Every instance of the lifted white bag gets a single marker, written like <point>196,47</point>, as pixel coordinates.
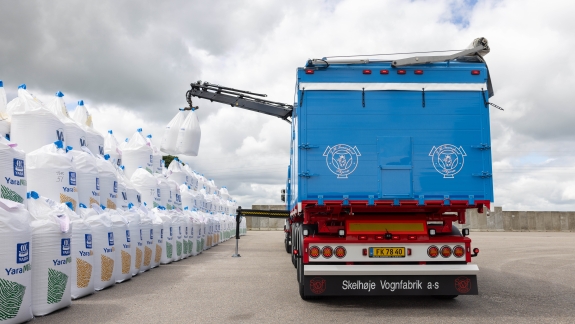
<point>15,258</point>
<point>189,135</point>
<point>170,138</point>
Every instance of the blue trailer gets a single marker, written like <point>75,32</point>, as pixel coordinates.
<point>385,157</point>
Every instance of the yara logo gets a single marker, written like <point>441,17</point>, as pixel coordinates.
<point>23,252</point>
<point>65,247</point>
<point>110,238</point>
<point>128,236</point>
<point>151,234</point>
<point>60,134</point>
<point>115,186</point>
<point>88,239</point>
<point>97,183</point>
<point>19,168</point>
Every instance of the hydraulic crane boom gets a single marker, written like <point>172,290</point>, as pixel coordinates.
<point>239,98</point>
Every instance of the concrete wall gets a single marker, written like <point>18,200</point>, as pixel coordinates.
<point>265,223</point>
<point>495,221</point>
<point>520,221</point>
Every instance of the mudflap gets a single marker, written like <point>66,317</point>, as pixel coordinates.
<point>434,285</point>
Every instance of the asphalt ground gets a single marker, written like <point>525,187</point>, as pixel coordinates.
<point>524,278</point>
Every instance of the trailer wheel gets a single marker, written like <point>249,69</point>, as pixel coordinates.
<point>287,243</point>
<point>300,279</point>
<point>293,245</point>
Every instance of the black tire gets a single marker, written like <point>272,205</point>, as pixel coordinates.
<point>300,279</point>
<point>294,245</point>
<point>287,244</point>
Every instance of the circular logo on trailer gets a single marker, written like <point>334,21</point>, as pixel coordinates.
<point>447,159</point>
<point>463,285</point>
<point>317,285</point>
<point>341,159</point>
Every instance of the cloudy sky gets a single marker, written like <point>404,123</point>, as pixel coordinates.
<point>132,61</point>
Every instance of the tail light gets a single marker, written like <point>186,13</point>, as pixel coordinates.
<point>384,72</point>
<point>340,252</point>
<point>309,71</point>
<point>418,71</point>
<point>445,251</point>
<point>314,252</point>
<point>458,251</point>
<point>433,251</point>
<point>395,237</point>
<point>327,252</point>
<point>379,237</point>
<point>475,72</point>
<point>401,72</point>
<point>366,71</point>
<point>364,251</point>
<point>362,237</point>
<point>412,237</point>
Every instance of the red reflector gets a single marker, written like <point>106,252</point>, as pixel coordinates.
<point>476,250</point>
<point>418,71</point>
<point>309,71</point>
<point>400,71</point>
<point>458,251</point>
<point>362,237</point>
<point>327,252</point>
<point>445,251</point>
<point>384,72</point>
<point>433,251</point>
<point>295,252</point>
<point>366,71</point>
<point>408,251</point>
<point>340,252</point>
<point>412,237</point>
<point>395,237</point>
<point>364,251</point>
<point>379,237</point>
<point>475,72</point>
<point>314,252</point>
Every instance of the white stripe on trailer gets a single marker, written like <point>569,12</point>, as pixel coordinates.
<point>311,86</point>
<point>390,270</point>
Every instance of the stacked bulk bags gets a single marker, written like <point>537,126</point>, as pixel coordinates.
<point>137,153</point>
<point>51,255</point>
<point>51,172</point>
<point>186,197</point>
<point>108,182</point>
<point>111,147</point>
<point>94,140</point>
<point>134,237</point>
<point>103,246</point>
<point>164,192</point>
<point>147,238</point>
<point>4,117</point>
<point>15,258</point>
<point>33,126</point>
<point>122,245</point>
<point>177,221</point>
<point>147,186</point>
<point>82,256</point>
<point>12,172</point>
<point>187,241</point>
<point>176,172</point>
<point>158,240</point>
<point>170,138</point>
<point>189,135</point>
<point>74,134</point>
<point>177,194</point>
<point>156,156</point>
<point>87,177</point>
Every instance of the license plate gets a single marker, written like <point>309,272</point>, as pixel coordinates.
<point>387,252</point>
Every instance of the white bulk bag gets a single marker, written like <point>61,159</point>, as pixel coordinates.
<point>111,148</point>
<point>166,234</point>
<point>170,138</point>
<point>224,193</point>
<point>87,177</point>
<point>33,126</point>
<point>74,133</point>
<point>16,261</point>
<point>177,222</point>
<point>177,195</point>
<point>186,197</point>
<point>164,192</point>
<point>187,240</point>
<point>108,182</point>
<point>103,242</point>
<point>137,153</point>
<point>134,227</point>
<point>94,140</point>
<point>82,256</point>
<point>157,226</point>
<point>12,172</point>
<point>51,255</point>
<point>127,193</point>
<point>51,173</point>
<point>4,117</point>
<point>189,135</point>
<point>157,156</point>
<point>176,172</point>
<point>122,245</point>
<point>147,186</point>
<point>147,237</point>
